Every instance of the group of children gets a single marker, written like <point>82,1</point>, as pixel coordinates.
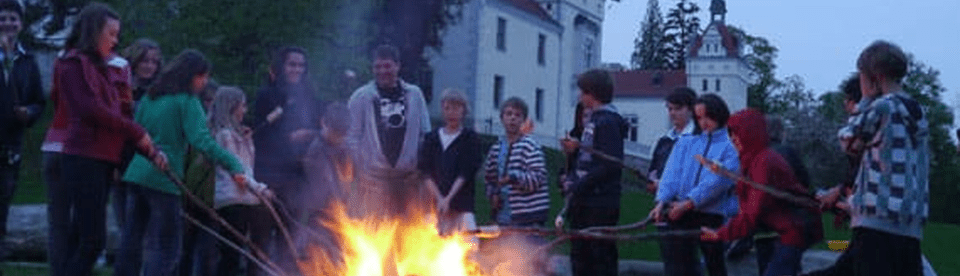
<point>378,155</point>
<point>887,191</point>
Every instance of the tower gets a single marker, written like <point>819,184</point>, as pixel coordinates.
<point>715,63</point>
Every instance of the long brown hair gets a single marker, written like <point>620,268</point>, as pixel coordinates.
<point>86,30</point>
<point>177,77</point>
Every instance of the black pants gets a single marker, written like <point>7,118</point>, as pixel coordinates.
<point>254,220</point>
<point>679,254</point>
<point>8,185</point>
<point>593,257</point>
<point>77,214</point>
<point>873,252</point>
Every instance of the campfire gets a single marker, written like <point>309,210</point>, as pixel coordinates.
<point>377,245</point>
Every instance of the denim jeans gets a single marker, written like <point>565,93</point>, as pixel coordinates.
<point>153,234</point>
<point>77,212</point>
<point>784,261</point>
<point>199,256</point>
<point>679,254</point>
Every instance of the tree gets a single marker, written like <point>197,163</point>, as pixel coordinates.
<point>681,26</point>
<point>793,95</point>
<point>759,55</point>
<point>412,26</point>
<point>650,51</point>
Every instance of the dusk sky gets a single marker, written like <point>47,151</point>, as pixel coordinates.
<point>819,40</point>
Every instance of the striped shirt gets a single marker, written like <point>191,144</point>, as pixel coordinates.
<point>529,200</point>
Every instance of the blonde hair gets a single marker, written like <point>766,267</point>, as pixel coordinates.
<point>456,96</point>
<point>226,100</point>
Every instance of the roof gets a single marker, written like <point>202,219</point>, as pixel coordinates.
<point>647,83</point>
<point>531,7</point>
<point>727,38</point>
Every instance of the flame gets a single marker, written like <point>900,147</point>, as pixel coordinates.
<point>377,245</point>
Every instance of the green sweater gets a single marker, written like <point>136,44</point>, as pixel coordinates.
<point>173,121</point>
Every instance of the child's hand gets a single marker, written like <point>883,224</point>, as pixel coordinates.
<point>241,181</point>
<point>274,115</point>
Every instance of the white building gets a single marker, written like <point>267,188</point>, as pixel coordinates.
<point>714,64</point>
<point>532,49</point>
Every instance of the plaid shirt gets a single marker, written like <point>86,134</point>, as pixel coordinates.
<point>891,189</point>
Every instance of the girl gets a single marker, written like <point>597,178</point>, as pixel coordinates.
<point>87,135</point>
<point>172,112</point>
<point>145,60</point>
<point>798,227</point>
<point>236,201</point>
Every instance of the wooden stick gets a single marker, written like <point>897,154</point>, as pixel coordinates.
<point>777,193</point>
<point>213,214</point>
<point>230,244</point>
<point>280,224</point>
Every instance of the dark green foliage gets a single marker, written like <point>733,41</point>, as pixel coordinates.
<point>759,55</point>
<point>681,25</point>
<point>650,46</point>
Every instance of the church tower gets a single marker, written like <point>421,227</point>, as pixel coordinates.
<point>715,63</point>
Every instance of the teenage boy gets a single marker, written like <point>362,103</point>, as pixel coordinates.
<point>890,199</point>
<point>595,185</point>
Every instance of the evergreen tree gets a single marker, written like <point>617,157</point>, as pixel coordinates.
<point>681,27</point>
<point>650,51</point>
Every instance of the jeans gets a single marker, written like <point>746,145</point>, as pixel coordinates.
<point>8,185</point>
<point>679,254</point>
<point>77,212</point>
<point>784,261</point>
<point>153,234</point>
<point>254,220</point>
<point>199,256</point>
<point>593,257</point>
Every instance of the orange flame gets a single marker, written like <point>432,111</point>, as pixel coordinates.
<point>377,245</point>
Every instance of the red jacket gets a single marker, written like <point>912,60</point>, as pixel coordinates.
<point>797,226</point>
<point>90,109</point>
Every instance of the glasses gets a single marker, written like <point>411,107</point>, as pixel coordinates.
<point>9,18</point>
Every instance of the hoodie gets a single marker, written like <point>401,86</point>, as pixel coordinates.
<point>798,226</point>
<point>596,182</point>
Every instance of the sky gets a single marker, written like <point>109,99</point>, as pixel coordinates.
<point>819,40</point>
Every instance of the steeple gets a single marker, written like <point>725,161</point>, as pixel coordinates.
<point>718,10</point>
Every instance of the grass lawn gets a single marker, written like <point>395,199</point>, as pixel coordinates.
<point>941,242</point>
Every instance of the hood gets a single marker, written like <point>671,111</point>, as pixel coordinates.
<point>750,128</point>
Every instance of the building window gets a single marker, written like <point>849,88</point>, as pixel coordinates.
<point>717,84</point>
<point>497,90</point>
<point>704,85</point>
<point>501,34</point>
<point>538,107</point>
<point>541,50</point>
<point>634,122</point>
<point>588,53</point>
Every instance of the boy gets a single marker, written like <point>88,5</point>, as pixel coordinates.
<point>889,203</point>
<point>515,172</point>
<point>595,185</point>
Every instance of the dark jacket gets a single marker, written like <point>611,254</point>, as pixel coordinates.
<point>96,126</point>
<point>461,159</point>
<point>21,89</point>
<point>796,163</point>
<point>798,226</point>
<point>279,160</point>
<point>596,182</point>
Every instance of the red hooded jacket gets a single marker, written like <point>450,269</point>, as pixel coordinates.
<point>798,226</point>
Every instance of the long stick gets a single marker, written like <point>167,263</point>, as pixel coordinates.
<point>726,173</point>
<point>213,214</point>
<point>229,243</point>
<point>280,224</point>
<point>619,161</point>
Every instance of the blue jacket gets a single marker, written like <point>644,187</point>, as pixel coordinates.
<point>685,178</point>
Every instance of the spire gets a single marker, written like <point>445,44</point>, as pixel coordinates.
<point>718,10</point>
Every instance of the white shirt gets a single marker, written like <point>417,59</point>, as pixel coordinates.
<point>447,138</point>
